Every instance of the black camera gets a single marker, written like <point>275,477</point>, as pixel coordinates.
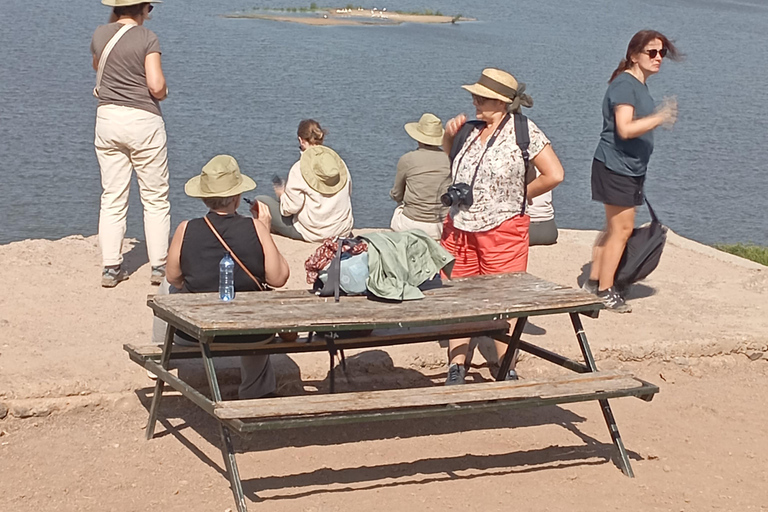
<point>459,194</point>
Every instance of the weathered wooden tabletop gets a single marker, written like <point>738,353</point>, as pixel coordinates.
<point>470,299</point>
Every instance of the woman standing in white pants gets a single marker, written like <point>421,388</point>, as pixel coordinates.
<point>130,135</point>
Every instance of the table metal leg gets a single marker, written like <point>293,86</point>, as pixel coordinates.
<point>513,346</point>
<point>227,448</point>
<point>170,331</point>
<point>589,359</point>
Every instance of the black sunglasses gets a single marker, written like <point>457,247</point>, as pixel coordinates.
<point>652,53</point>
<point>152,7</point>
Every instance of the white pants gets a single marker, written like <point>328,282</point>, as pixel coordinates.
<point>402,223</point>
<point>130,139</point>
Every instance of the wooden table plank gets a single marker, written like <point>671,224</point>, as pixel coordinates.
<point>423,397</point>
<point>457,301</point>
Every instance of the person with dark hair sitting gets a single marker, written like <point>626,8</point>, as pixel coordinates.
<point>199,245</point>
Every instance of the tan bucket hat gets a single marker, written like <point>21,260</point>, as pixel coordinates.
<point>429,130</point>
<point>220,178</point>
<point>323,170</point>
<point>127,3</point>
<point>500,85</point>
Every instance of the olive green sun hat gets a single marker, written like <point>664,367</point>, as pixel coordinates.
<point>128,3</point>
<point>323,170</point>
<point>429,130</point>
<point>220,177</point>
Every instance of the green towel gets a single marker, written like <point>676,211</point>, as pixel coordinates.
<point>399,262</point>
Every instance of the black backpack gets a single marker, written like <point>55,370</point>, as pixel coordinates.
<point>522,139</point>
<point>643,251</point>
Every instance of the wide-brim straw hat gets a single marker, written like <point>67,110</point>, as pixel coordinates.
<point>127,3</point>
<point>495,84</point>
<point>429,130</point>
<point>323,170</point>
<point>220,177</point>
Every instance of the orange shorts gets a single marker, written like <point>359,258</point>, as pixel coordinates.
<point>496,251</point>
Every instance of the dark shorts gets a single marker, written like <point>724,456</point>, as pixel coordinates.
<point>615,189</point>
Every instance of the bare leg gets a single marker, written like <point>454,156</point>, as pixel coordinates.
<point>620,220</point>
<point>457,350</point>
<point>597,256</point>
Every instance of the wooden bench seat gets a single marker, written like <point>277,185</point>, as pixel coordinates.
<point>378,338</point>
<point>299,411</point>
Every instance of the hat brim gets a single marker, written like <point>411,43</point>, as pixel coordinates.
<point>484,92</point>
<point>112,3</point>
<point>305,166</point>
<point>412,129</point>
<point>192,188</point>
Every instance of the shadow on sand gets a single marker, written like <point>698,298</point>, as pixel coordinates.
<point>375,370</point>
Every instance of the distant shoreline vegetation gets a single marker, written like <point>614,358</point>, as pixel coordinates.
<point>347,15</point>
<point>756,253</point>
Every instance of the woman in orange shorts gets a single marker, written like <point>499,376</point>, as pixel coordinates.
<point>487,228</point>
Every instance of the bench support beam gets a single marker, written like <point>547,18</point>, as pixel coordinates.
<point>589,359</point>
<point>170,331</point>
<point>227,447</point>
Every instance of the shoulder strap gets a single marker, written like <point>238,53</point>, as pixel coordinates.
<point>234,256</point>
<point>523,141</point>
<point>105,53</point>
<point>461,137</point>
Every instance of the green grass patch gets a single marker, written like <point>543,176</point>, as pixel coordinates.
<point>755,253</point>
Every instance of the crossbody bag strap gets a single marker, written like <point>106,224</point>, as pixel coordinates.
<point>105,54</point>
<point>523,141</point>
<point>654,218</point>
<point>231,253</point>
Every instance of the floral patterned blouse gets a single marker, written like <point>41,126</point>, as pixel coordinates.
<point>499,187</point>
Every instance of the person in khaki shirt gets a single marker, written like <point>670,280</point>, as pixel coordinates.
<point>422,177</point>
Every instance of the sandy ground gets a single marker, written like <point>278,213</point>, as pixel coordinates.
<point>366,17</point>
<point>72,436</point>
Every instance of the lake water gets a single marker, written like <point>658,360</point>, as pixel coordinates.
<point>241,86</point>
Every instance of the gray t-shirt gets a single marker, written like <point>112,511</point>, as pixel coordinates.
<point>125,80</point>
<point>628,157</point>
<point>422,177</point>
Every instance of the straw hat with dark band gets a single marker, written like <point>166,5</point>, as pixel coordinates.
<point>323,170</point>
<point>220,177</point>
<point>128,3</point>
<point>429,130</point>
<point>500,85</point>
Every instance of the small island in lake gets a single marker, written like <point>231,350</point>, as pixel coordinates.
<point>348,15</point>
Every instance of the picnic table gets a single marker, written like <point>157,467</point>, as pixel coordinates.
<point>475,306</point>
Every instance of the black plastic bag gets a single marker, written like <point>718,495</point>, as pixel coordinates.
<point>642,253</point>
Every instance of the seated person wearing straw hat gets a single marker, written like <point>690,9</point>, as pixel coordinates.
<point>199,244</point>
<point>422,177</point>
<point>316,201</point>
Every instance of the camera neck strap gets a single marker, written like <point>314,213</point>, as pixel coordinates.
<point>488,145</point>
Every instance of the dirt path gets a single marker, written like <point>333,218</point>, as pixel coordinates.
<point>700,445</point>
<point>72,437</point>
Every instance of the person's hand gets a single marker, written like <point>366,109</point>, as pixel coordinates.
<point>668,112</point>
<point>279,190</point>
<point>454,125</point>
<point>260,211</point>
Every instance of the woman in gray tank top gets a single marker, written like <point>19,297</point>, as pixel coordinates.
<point>130,135</point>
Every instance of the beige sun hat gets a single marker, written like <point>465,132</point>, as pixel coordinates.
<point>429,130</point>
<point>127,3</point>
<point>220,177</point>
<point>323,169</point>
<point>500,85</point>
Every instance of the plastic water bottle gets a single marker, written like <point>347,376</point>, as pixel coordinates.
<point>227,278</point>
